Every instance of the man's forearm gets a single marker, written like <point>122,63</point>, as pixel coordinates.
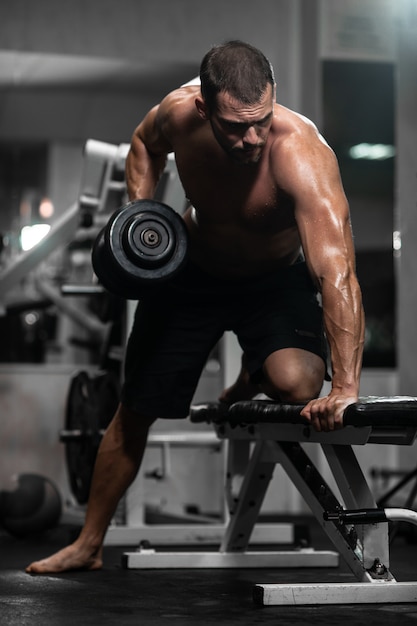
<point>344,324</point>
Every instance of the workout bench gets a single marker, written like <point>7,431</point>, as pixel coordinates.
<point>262,433</point>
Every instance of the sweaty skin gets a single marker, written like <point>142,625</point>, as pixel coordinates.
<point>262,182</point>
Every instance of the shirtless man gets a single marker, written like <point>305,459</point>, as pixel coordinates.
<point>264,189</point>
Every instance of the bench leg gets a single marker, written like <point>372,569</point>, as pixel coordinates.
<point>364,547</point>
<point>356,494</point>
<point>246,502</point>
<point>321,499</point>
<point>335,593</point>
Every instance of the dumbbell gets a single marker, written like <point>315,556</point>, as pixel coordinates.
<point>142,245</point>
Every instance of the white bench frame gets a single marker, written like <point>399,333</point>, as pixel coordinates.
<point>255,449</point>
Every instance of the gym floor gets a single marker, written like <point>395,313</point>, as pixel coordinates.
<point>115,595</point>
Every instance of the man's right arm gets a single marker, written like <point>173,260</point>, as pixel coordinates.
<point>321,209</point>
<point>147,157</point>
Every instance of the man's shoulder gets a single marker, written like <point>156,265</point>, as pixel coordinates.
<point>180,101</point>
<point>295,136</point>
<point>177,110</point>
<point>291,125</point>
<point>297,147</point>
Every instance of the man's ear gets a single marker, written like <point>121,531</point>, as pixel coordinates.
<point>202,108</point>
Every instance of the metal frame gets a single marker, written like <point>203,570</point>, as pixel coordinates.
<point>248,473</point>
<point>363,546</point>
<point>189,530</point>
<point>151,559</point>
<point>335,593</point>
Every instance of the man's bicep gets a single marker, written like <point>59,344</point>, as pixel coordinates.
<point>322,215</point>
<point>146,158</point>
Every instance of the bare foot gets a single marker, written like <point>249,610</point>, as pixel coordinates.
<point>69,558</point>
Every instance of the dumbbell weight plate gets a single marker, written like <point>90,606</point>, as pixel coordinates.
<point>143,244</point>
<point>107,275</point>
<point>148,241</point>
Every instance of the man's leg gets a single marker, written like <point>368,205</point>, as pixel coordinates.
<point>241,389</point>
<point>293,375</point>
<point>118,461</point>
<point>289,375</point>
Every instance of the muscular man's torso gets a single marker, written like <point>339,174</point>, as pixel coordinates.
<point>241,223</point>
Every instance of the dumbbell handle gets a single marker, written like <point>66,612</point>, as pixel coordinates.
<point>81,290</point>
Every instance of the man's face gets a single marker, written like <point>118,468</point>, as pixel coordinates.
<point>242,129</point>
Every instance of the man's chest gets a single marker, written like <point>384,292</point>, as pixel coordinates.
<point>245,195</point>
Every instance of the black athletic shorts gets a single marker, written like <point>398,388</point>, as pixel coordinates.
<point>175,330</point>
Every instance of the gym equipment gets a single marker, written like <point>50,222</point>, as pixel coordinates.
<point>32,507</point>
<point>103,190</point>
<point>91,403</point>
<point>142,245</point>
<point>261,434</point>
<point>181,526</point>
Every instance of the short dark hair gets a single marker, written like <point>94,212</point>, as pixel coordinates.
<point>237,68</point>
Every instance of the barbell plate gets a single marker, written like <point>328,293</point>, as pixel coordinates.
<point>92,400</point>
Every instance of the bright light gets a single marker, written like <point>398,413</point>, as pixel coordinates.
<point>30,236</point>
<point>372,151</point>
<point>46,208</point>
<point>396,240</point>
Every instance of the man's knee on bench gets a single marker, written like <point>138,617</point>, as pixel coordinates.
<point>292,376</point>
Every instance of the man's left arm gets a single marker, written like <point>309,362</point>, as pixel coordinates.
<point>323,221</point>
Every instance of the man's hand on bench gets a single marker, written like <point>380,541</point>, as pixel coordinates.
<point>326,414</point>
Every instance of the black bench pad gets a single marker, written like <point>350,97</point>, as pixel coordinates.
<point>375,411</point>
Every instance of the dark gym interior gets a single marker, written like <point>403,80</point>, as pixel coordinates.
<point>75,80</point>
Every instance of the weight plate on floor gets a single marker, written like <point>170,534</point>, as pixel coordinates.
<point>91,403</point>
